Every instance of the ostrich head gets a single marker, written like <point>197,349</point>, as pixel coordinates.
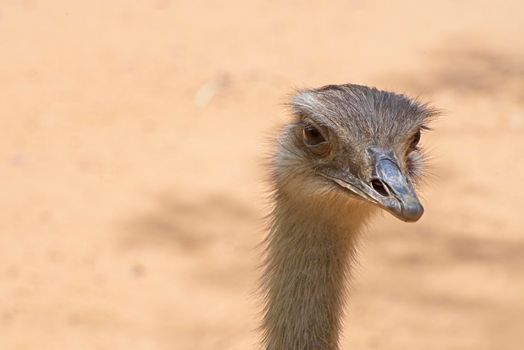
<point>354,143</point>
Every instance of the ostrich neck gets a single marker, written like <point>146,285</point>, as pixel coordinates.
<point>307,264</point>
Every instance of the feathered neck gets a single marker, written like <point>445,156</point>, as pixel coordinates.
<point>309,250</point>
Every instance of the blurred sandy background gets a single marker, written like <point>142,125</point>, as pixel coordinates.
<point>132,185</point>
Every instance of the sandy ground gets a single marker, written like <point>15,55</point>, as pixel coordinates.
<point>132,186</point>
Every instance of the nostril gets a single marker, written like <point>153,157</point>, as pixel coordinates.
<point>379,187</point>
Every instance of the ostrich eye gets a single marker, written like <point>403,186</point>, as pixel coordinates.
<point>415,140</point>
<point>312,136</point>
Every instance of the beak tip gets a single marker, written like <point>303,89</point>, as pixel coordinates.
<point>412,212</point>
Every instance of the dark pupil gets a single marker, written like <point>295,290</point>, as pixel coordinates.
<point>415,140</point>
<point>312,136</point>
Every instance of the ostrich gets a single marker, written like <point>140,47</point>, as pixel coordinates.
<point>349,151</point>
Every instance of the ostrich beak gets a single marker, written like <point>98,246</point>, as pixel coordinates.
<point>393,191</point>
<point>388,188</point>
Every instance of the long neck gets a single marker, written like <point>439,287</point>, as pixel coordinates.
<point>306,269</point>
